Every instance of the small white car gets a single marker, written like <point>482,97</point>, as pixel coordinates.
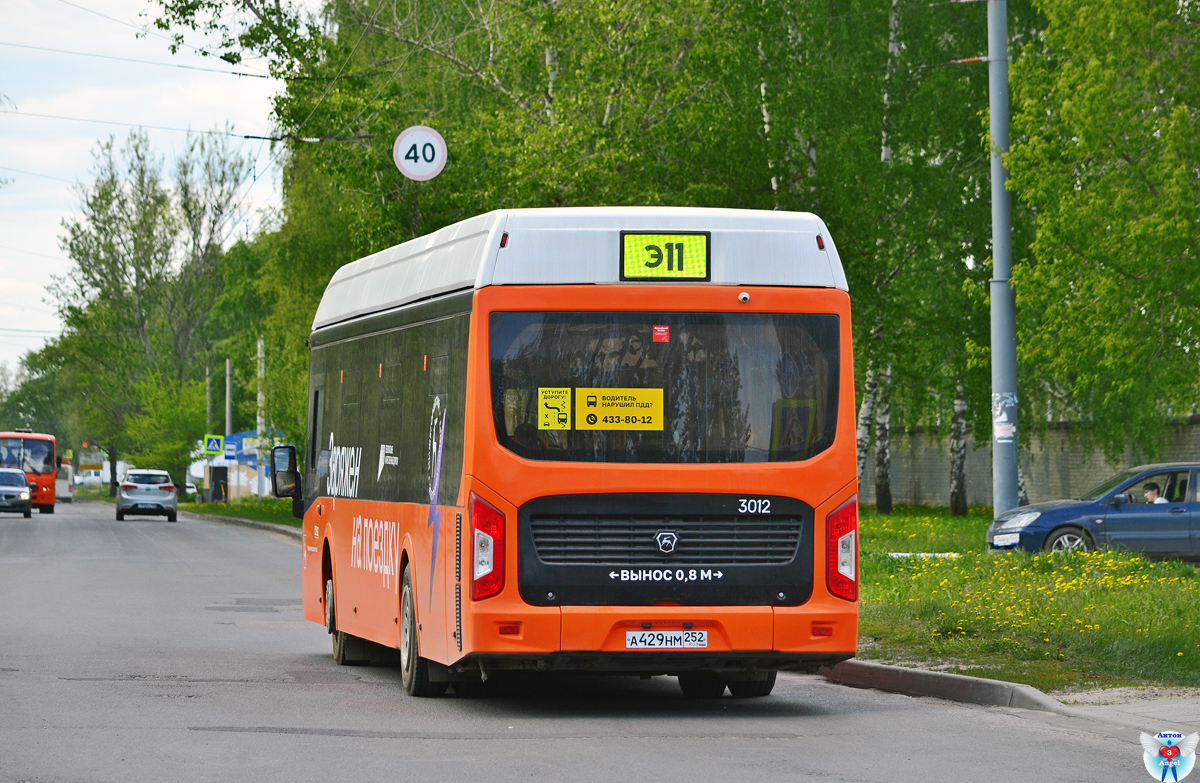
<point>149,492</point>
<point>14,491</point>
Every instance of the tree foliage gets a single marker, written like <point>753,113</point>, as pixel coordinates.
<point>858,110</point>
<point>136,303</point>
<point>1107,121</point>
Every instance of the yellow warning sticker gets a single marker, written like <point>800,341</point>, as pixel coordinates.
<point>554,409</point>
<point>618,409</point>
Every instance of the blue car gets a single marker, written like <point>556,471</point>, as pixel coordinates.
<point>1151,509</point>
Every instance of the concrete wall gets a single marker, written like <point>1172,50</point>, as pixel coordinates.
<point>1053,467</point>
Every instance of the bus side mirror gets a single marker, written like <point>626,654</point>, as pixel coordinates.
<point>285,478</point>
<point>58,462</point>
<point>1120,499</point>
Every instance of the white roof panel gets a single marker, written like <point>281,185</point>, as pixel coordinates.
<point>578,245</point>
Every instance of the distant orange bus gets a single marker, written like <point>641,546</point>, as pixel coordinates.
<point>35,453</point>
<point>608,440</point>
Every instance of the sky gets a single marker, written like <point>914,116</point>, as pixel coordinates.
<point>44,159</point>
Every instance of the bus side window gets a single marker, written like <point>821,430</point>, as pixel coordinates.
<point>314,428</point>
<point>318,458</point>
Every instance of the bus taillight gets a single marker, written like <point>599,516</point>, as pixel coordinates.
<point>487,548</point>
<point>841,550</point>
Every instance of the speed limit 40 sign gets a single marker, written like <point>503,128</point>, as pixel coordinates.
<point>420,153</point>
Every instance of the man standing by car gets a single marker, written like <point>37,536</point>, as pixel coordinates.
<point>1150,491</point>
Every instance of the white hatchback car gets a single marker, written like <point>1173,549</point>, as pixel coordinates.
<point>14,491</point>
<point>147,492</point>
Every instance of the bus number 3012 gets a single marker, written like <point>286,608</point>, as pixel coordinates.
<point>754,506</point>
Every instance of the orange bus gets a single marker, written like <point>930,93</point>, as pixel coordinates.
<point>36,454</point>
<point>609,440</point>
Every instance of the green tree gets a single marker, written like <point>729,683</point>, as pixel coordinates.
<point>299,259</point>
<point>1107,109</point>
<point>136,301</point>
<point>168,423</point>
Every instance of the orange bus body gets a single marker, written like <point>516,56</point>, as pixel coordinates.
<point>42,485</point>
<point>365,546</point>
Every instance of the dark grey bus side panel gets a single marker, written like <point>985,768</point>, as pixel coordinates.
<point>387,398</point>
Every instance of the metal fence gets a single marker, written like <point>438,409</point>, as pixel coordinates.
<point>1053,466</point>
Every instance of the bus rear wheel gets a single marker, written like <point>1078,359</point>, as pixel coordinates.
<point>414,670</point>
<point>701,685</point>
<point>46,509</point>
<point>752,689</point>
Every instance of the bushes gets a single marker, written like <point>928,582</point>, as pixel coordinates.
<point>278,510</point>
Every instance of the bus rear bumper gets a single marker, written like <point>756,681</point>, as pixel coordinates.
<point>742,662</point>
<point>594,639</point>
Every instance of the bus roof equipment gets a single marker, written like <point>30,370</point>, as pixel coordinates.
<point>581,245</point>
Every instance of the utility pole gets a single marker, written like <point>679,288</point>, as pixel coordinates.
<point>260,451</point>
<point>228,397</point>
<point>229,423</point>
<point>208,398</point>
<point>1004,322</point>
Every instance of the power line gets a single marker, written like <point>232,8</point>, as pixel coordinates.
<point>5,329</point>
<point>32,253</point>
<point>346,62</point>
<point>276,156</point>
<point>35,174</point>
<point>139,28</point>
<point>132,60</point>
<point>125,124</point>
<point>230,134</point>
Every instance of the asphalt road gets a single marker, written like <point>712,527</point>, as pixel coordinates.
<point>148,651</point>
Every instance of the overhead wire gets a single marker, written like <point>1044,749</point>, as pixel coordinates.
<point>230,134</point>
<point>141,29</point>
<point>133,60</point>
<point>276,156</point>
<point>34,253</point>
<point>364,75</point>
<point>35,174</point>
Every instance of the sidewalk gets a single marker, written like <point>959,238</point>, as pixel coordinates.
<point>1150,709</point>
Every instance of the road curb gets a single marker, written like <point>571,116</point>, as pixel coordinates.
<point>271,527</point>
<point>942,685</point>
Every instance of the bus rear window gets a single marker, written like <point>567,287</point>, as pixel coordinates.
<point>666,387</point>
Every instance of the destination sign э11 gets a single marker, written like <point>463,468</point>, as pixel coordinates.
<point>664,257</point>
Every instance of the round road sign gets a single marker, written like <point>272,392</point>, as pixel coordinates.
<point>420,153</point>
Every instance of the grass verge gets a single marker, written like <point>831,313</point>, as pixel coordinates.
<point>914,529</point>
<point>1055,622</point>
<point>91,492</point>
<point>277,510</point>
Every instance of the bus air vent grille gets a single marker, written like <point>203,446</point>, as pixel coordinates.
<point>620,540</point>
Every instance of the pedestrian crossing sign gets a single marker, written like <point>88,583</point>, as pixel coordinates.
<point>214,444</point>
